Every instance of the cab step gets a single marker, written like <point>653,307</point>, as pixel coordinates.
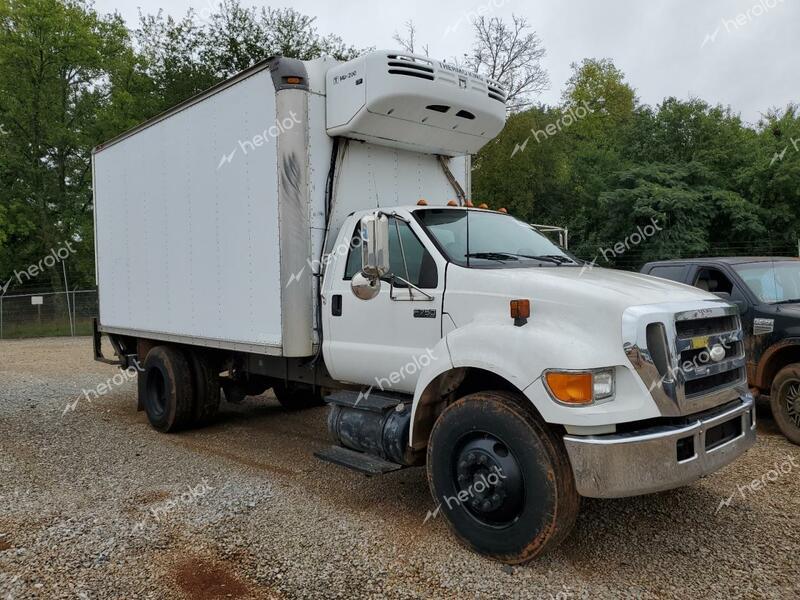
<point>368,464</point>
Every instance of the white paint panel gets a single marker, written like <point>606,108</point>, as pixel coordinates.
<point>187,243</point>
<point>378,176</point>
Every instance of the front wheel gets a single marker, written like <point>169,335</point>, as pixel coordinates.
<point>502,479</point>
<point>785,402</point>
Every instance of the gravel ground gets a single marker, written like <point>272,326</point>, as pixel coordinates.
<point>96,504</point>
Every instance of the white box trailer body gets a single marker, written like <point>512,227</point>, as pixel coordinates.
<point>206,214</point>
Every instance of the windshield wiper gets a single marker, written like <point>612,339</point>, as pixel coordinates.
<point>790,301</point>
<point>557,258</point>
<point>498,256</point>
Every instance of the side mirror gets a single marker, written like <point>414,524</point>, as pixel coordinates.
<point>740,304</point>
<point>374,257</point>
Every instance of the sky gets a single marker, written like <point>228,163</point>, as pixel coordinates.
<point>739,53</point>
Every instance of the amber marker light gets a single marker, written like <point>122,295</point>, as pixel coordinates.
<point>520,311</point>
<point>422,202</point>
<point>570,388</point>
<point>452,203</point>
<point>502,210</point>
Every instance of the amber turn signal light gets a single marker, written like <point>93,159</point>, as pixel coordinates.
<point>520,309</point>
<point>452,203</point>
<point>571,388</point>
<point>422,202</point>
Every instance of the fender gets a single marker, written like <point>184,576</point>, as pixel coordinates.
<point>764,372</point>
<point>520,355</point>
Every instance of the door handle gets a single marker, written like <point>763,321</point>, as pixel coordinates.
<point>336,305</point>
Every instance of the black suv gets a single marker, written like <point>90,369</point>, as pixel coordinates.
<point>767,292</point>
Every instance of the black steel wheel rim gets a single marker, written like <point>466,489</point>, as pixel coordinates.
<point>488,480</point>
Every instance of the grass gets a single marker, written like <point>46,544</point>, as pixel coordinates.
<point>45,329</point>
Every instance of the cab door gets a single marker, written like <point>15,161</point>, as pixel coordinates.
<point>385,342</point>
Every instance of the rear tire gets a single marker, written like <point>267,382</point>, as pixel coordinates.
<point>167,388</point>
<point>294,397</point>
<point>785,402</point>
<point>205,381</point>
<point>502,479</point>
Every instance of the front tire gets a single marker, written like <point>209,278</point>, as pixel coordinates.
<point>502,478</point>
<point>785,402</point>
<point>167,388</point>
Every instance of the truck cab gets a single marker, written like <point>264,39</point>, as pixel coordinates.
<point>767,292</point>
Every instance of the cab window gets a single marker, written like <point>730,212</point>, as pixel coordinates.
<point>714,281</point>
<point>422,270</point>
<point>673,272</point>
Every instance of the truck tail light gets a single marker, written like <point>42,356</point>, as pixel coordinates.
<point>571,388</point>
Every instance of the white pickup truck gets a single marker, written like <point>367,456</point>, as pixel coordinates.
<point>305,227</point>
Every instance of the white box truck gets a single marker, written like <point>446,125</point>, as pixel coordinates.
<point>271,233</point>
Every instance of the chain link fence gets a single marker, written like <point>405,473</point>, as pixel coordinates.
<point>46,314</point>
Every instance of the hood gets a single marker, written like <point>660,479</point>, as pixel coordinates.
<point>594,286</point>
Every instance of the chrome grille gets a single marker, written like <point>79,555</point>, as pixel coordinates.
<point>695,337</point>
<point>670,346</point>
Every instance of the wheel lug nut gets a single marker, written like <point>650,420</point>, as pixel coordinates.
<point>486,506</point>
<point>482,459</point>
<point>471,458</point>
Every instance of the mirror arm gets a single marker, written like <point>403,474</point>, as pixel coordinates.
<point>410,286</point>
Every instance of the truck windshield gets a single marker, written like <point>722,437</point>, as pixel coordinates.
<point>474,238</point>
<point>773,282</point>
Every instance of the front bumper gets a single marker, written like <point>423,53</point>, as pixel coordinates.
<point>662,457</point>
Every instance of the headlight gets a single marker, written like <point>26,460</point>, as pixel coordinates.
<point>580,387</point>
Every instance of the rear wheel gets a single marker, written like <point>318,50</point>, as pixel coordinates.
<point>785,402</point>
<point>205,381</point>
<point>502,479</point>
<point>294,397</point>
<point>167,389</point>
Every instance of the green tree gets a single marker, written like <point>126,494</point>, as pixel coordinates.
<point>53,59</point>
